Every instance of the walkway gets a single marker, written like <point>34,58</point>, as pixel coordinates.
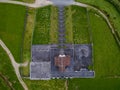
<point>14,64</point>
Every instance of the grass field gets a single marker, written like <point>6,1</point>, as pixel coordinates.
<point>46,85</point>
<point>54,25</point>
<point>108,8</point>
<point>7,71</point>
<point>79,28</point>
<point>106,58</point>
<point>68,25</point>
<point>42,26</point>
<point>106,50</point>
<point>12,26</point>
<point>27,41</point>
<point>45,31</point>
<point>94,84</point>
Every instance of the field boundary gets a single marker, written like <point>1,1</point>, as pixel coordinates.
<point>103,16</point>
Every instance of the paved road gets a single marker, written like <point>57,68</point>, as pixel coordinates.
<point>38,3</point>
<point>62,2</point>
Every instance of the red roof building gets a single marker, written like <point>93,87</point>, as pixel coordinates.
<point>62,62</point>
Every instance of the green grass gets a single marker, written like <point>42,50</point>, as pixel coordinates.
<point>42,26</point>
<point>54,25</point>
<point>94,84</point>
<point>12,27</point>
<point>27,41</point>
<point>46,26</point>
<point>80,25</point>
<point>45,85</point>
<point>106,58</point>
<point>7,71</point>
<point>68,25</point>
<point>114,15</point>
<point>106,50</point>
<point>77,25</point>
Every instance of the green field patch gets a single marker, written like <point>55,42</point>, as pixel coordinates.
<point>12,26</point>
<point>94,84</point>
<point>54,25</point>
<point>46,26</point>
<point>42,26</point>
<point>45,84</point>
<point>108,9</point>
<point>68,25</point>
<point>27,40</point>
<point>106,50</point>
<point>6,69</point>
<point>80,25</point>
<point>106,58</point>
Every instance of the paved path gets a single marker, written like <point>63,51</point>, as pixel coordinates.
<point>38,3</point>
<point>14,64</point>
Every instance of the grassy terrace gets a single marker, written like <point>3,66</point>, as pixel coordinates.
<point>109,9</point>
<point>78,21</point>
<point>12,26</point>
<point>106,57</point>
<point>45,26</point>
<point>7,71</point>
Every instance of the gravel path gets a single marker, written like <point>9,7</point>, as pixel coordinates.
<point>14,64</point>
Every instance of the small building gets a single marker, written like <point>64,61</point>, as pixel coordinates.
<point>62,61</point>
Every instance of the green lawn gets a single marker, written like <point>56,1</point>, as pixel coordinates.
<point>12,26</point>
<point>46,26</point>
<point>106,58</point>
<point>46,84</point>
<point>54,25</point>
<point>42,26</point>
<point>27,41</point>
<point>94,84</point>
<point>68,25</point>
<point>80,25</point>
<point>7,71</point>
<point>108,8</point>
<point>77,24</point>
<point>106,50</point>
